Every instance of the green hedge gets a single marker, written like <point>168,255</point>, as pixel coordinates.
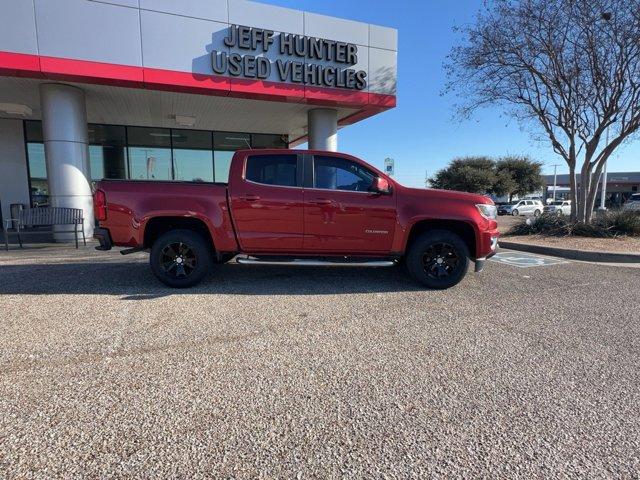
<point>613,223</point>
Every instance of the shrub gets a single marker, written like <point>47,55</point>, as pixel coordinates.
<point>609,224</point>
<point>625,222</point>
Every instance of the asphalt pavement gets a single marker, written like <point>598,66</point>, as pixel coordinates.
<point>275,372</point>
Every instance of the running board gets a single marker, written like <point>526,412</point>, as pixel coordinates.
<point>300,262</point>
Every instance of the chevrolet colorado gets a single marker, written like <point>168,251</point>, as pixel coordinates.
<point>296,207</point>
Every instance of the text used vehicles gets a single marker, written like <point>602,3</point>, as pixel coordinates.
<point>296,207</point>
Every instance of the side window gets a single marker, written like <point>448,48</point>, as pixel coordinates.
<point>529,202</point>
<point>335,173</point>
<point>279,170</point>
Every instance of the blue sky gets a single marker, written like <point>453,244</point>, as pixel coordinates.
<point>421,133</point>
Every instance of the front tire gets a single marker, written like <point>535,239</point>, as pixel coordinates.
<point>537,213</point>
<point>515,213</point>
<point>180,258</point>
<point>438,259</point>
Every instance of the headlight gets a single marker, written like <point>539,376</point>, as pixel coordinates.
<point>487,211</point>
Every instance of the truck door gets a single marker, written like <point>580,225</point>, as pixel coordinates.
<point>341,215</point>
<point>267,202</point>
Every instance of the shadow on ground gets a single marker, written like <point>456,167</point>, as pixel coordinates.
<point>134,281</point>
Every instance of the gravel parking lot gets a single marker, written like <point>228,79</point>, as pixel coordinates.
<point>315,373</point>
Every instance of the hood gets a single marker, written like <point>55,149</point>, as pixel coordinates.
<point>432,193</point>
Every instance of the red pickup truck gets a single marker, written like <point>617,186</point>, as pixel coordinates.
<point>296,207</point>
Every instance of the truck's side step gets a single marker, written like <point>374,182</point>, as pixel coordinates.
<point>312,262</point>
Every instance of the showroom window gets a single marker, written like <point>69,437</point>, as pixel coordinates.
<point>192,155</point>
<point>107,151</point>
<point>38,184</point>
<point>149,153</point>
<point>225,144</point>
<point>142,153</point>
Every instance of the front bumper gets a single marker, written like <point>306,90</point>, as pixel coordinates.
<point>103,236</point>
<point>480,262</point>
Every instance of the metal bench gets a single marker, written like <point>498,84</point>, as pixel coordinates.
<point>43,217</point>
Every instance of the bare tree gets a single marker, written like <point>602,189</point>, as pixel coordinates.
<point>569,67</point>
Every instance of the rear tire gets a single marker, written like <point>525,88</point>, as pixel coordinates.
<point>438,259</point>
<point>537,213</point>
<point>180,258</point>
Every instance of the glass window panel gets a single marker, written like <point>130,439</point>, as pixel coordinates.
<point>231,141</point>
<point>191,139</point>
<point>37,163</point>
<point>273,169</point>
<point>222,164</point>
<point>149,137</point>
<point>259,140</point>
<point>193,165</point>
<point>107,152</point>
<point>96,162</point>
<point>33,131</point>
<point>38,173</point>
<point>148,163</point>
<point>107,134</point>
<point>340,174</point>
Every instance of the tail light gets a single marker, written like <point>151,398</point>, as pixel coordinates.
<point>100,205</point>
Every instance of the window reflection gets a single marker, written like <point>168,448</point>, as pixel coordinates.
<point>150,153</point>
<point>143,153</point>
<point>222,164</point>
<point>192,155</point>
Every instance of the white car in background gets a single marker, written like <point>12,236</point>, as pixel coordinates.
<point>633,204</point>
<point>527,207</point>
<point>559,207</point>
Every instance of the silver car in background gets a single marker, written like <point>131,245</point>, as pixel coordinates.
<point>559,207</point>
<point>633,204</point>
<point>527,207</point>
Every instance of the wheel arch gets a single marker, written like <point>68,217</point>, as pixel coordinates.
<point>463,229</point>
<point>157,226</point>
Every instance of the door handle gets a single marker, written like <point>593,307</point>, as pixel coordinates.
<point>250,198</point>
<point>321,201</point>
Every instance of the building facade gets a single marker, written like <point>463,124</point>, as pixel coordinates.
<point>168,90</point>
<point>620,187</point>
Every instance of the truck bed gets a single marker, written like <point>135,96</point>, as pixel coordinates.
<point>132,203</point>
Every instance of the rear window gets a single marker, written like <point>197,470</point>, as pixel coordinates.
<point>281,170</point>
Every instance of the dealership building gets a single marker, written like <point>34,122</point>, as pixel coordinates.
<point>169,89</point>
<point>619,187</point>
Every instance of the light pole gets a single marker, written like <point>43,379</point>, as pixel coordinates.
<point>555,180</point>
<point>603,191</point>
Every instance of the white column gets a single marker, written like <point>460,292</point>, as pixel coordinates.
<point>64,127</point>
<point>323,129</point>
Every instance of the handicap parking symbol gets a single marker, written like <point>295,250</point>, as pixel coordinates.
<point>525,260</point>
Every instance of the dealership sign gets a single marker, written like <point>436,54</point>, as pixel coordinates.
<point>302,59</point>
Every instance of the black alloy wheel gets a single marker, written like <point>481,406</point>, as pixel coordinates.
<point>438,259</point>
<point>180,258</point>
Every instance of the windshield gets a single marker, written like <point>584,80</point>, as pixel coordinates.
<point>635,197</point>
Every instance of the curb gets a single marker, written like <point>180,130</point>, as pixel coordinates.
<point>583,255</point>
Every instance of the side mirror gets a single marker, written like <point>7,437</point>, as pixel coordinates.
<point>380,186</point>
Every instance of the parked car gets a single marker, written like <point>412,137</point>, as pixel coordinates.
<point>505,208</point>
<point>633,204</point>
<point>527,207</point>
<point>559,207</point>
<point>296,207</point>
